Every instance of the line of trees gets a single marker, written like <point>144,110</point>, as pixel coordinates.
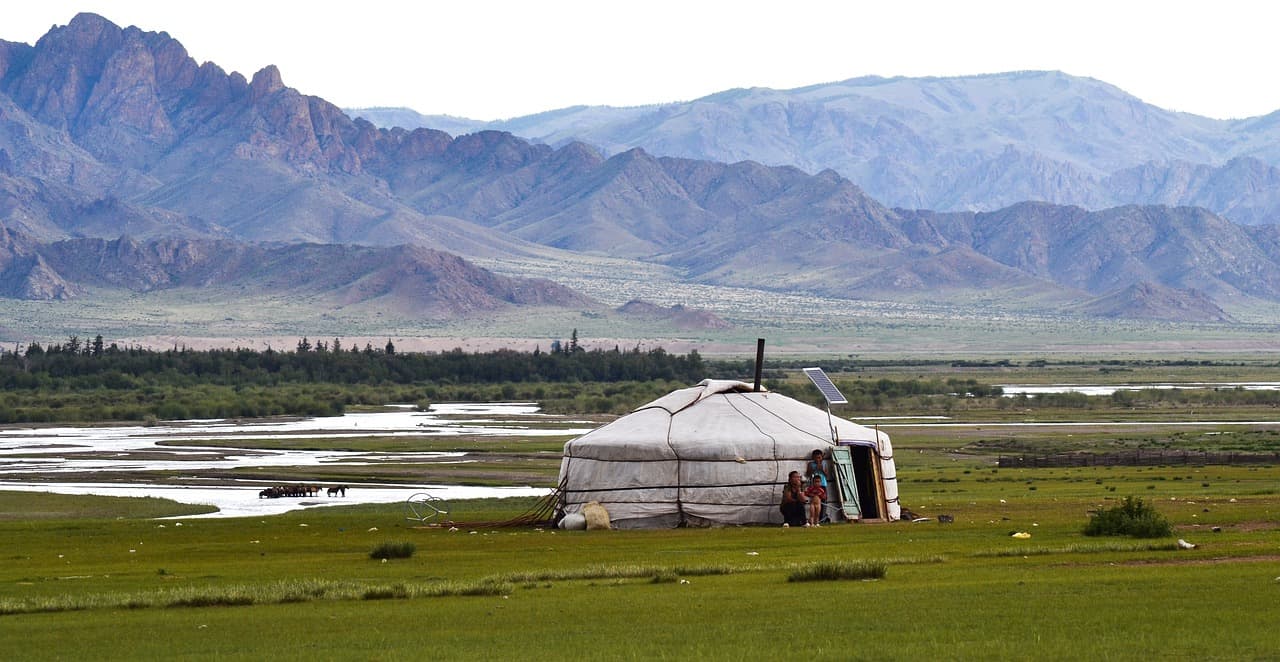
<point>77,365</point>
<point>78,381</point>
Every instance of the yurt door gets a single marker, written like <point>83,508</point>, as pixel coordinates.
<point>842,458</point>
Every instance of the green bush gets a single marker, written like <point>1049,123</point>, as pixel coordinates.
<point>393,550</point>
<point>1131,518</point>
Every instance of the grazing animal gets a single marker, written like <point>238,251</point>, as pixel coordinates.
<point>337,490</point>
<point>278,491</point>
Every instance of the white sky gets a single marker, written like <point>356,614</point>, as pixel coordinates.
<point>493,59</point>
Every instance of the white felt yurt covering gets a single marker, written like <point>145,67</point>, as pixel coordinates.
<point>714,454</point>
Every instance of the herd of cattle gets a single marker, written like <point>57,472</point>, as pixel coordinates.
<point>278,491</point>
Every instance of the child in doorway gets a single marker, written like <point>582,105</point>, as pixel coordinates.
<point>816,494</point>
<point>817,466</point>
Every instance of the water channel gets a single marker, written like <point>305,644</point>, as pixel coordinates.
<point>31,459</point>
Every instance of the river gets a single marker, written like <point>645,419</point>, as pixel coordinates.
<point>32,458</point>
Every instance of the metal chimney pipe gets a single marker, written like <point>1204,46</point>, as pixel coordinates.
<point>759,362</point>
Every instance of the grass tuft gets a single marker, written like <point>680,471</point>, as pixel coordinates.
<point>395,592</point>
<point>665,578</point>
<point>287,592</point>
<point>393,550</point>
<point>836,570</point>
<point>626,571</point>
<point>480,588</point>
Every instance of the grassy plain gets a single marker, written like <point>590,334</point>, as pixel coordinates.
<point>99,578</point>
<point>302,585</point>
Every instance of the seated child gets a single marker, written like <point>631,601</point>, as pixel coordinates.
<point>817,494</point>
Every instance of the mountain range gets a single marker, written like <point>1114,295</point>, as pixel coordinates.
<point>125,164</point>
<point>972,143</point>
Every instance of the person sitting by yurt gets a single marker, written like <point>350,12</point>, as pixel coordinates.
<point>793,501</point>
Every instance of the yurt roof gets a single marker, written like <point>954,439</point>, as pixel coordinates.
<point>717,420</point>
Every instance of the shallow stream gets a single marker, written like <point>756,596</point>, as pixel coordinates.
<point>32,458</point>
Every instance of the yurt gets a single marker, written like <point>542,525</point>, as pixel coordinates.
<point>718,454</point>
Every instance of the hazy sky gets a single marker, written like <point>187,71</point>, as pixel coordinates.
<point>491,59</point>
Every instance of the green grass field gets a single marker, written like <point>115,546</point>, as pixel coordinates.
<point>98,578</point>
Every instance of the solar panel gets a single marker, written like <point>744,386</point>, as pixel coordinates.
<point>828,389</point>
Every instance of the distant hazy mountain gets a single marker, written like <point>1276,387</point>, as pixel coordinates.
<point>108,132</point>
<point>963,143</point>
<point>411,119</point>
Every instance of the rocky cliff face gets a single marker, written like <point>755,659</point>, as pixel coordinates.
<point>24,274</point>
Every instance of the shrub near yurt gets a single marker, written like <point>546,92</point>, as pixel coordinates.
<point>718,454</point>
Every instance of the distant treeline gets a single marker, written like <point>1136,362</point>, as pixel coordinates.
<point>90,365</point>
<point>90,381</point>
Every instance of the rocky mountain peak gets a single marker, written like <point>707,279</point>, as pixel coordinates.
<point>266,81</point>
